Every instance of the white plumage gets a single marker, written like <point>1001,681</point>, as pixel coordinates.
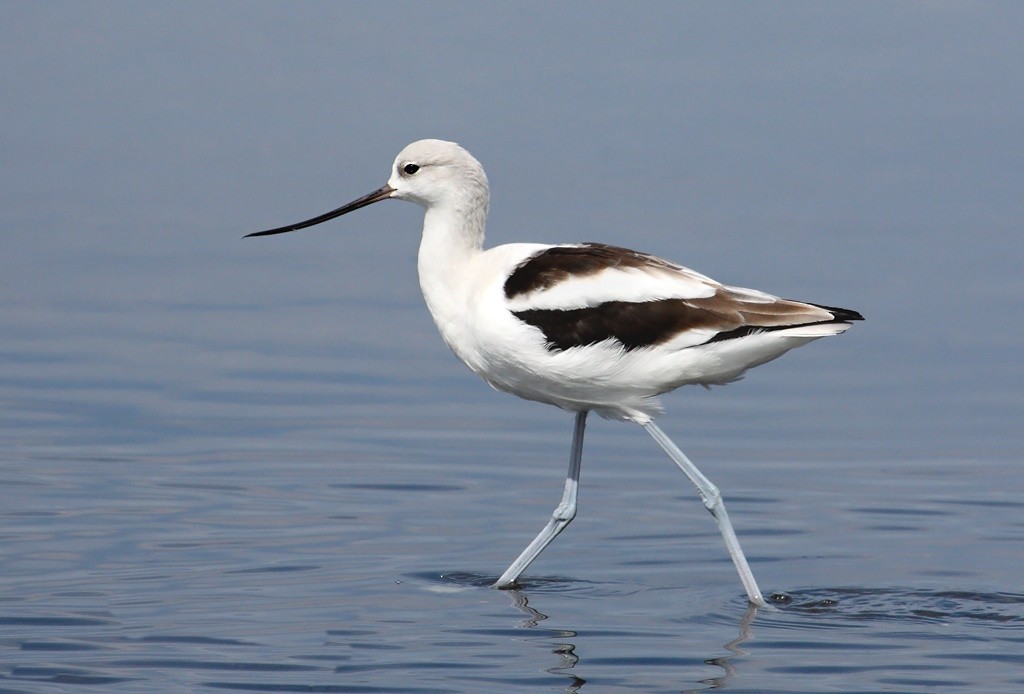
<point>585,327</point>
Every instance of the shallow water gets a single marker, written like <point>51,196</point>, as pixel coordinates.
<point>275,572</point>
<point>303,528</point>
<point>253,465</point>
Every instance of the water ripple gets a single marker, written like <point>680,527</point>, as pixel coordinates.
<point>895,605</point>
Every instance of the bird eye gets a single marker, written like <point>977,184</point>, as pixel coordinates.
<point>411,168</point>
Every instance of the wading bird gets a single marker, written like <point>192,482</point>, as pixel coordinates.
<point>586,327</point>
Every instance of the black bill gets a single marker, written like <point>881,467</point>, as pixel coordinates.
<point>382,193</point>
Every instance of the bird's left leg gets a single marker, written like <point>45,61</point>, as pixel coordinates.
<point>712,499</point>
<point>564,512</point>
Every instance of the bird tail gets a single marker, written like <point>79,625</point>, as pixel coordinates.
<point>841,314</point>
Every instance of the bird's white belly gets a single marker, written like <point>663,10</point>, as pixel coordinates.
<point>606,378</point>
<point>513,357</point>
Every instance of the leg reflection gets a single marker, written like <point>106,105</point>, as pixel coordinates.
<point>565,646</point>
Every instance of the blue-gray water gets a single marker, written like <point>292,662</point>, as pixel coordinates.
<point>253,465</point>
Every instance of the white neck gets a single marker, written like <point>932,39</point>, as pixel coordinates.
<point>452,238</point>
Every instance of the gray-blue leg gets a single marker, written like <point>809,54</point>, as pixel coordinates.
<point>712,499</point>
<point>562,516</point>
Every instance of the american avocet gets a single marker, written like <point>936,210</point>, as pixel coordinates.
<point>585,326</point>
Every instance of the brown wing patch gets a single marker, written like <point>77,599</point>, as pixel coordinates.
<point>559,263</point>
<point>635,325</point>
<point>646,324</point>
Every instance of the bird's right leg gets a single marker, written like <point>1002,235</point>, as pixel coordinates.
<point>563,514</point>
<point>712,499</point>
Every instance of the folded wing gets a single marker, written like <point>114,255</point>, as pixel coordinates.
<point>590,293</point>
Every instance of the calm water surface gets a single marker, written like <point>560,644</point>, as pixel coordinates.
<point>234,465</point>
<point>308,526</point>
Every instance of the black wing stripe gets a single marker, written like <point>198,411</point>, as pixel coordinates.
<point>547,268</point>
<point>646,324</point>
<point>635,325</point>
